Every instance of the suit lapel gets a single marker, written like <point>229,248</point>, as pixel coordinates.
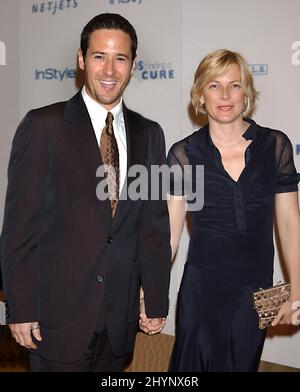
<point>81,137</point>
<point>137,147</point>
<point>137,138</point>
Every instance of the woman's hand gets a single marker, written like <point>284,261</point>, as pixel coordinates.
<point>289,313</point>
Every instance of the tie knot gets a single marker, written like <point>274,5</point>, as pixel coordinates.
<point>109,118</point>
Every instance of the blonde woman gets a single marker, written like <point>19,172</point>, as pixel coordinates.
<point>249,174</point>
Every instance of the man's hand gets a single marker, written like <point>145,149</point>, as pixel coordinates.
<point>23,332</point>
<point>150,326</point>
<point>156,325</point>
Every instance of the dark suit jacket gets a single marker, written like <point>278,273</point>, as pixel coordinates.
<point>63,257</point>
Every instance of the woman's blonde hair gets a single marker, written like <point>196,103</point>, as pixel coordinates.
<point>215,64</point>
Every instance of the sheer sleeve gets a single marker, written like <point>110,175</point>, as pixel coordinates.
<point>287,176</point>
<point>177,159</point>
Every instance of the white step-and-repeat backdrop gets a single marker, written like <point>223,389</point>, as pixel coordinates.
<point>38,46</point>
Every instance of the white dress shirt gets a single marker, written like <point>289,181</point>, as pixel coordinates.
<point>98,116</point>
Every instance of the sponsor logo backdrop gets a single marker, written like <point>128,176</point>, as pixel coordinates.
<point>9,82</point>
<point>174,35</point>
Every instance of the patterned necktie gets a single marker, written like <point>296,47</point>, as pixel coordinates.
<point>110,156</point>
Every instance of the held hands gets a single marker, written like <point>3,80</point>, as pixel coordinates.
<point>289,313</point>
<point>23,332</point>
<point>151,326</point>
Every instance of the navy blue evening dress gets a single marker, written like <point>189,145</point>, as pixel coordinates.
<point>231,250</point>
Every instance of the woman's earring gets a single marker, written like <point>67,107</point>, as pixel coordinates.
<point>202,107</point>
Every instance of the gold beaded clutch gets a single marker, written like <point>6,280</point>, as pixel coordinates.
<point>267,302</point>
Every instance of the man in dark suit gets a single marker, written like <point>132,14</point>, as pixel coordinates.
<point>72,264</point>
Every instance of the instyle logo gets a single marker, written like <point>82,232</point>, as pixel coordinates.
<point>296,53</point>
<point>259,69</point>
<point>55,74</point>
<point>52,7</point>
<point>2,53</point>
<point>297,149</point>
<point>114,2</point>
<point>150,71</point>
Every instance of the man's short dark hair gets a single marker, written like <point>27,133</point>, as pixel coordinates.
<point>110,22</point>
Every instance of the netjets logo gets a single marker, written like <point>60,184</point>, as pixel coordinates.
<point>296,53</point>
<point>114,2</point>
<point>259,69</point>
<point>52,7</point>
<point>2,53</point>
